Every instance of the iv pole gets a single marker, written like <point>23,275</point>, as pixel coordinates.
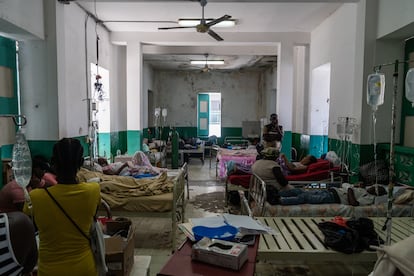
<point>388,223</point>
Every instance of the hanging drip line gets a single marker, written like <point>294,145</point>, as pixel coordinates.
<point>374,121</point>
<point>18,120</point>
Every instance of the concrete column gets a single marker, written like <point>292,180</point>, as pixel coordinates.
<point>134,96</point>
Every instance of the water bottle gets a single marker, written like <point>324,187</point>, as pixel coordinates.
<point>409,86</point>
<point>21,160</point>
<point>375,90</point>
<point>118,152</point>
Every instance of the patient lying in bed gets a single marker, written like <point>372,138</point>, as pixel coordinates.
<point>118,190</point>
<point>138,167</point>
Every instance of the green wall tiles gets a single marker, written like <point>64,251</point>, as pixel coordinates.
<point>187,132</point>
<point>9,105</point>
<point>403,162</point>
<point>44,148</point>
<point>407,109</point>
<point>104,145</point>
<point>133,141</point>
<point>229,131</point>
<point>318,145</point>
<point>367,154</point>
<point>287,144</point>
<point>7,52</point>
<point>6,151</point>
<point>119,142</point>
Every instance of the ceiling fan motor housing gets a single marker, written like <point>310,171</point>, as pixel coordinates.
<point>202,28</point>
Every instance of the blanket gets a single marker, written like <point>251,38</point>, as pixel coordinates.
<point>117,190</point>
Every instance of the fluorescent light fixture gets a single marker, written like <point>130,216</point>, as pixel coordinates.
<point>208,62</point>
<point>194,22</point>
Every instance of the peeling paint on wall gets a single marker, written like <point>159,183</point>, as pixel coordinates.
<point>244,94</point>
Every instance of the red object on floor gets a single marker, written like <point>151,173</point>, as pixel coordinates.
<point>180,264</point>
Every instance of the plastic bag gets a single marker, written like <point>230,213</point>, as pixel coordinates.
<point>333,158</point>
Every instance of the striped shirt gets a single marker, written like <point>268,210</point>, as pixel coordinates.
<point>8,264</point>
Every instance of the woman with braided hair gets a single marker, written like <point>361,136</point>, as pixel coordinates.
<point>63,249</point>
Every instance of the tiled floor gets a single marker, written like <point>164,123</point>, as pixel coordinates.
<point>200,173</point>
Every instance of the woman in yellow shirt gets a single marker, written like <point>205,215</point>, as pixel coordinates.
<point>63,250</point>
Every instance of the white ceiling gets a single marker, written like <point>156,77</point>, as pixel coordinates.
<point>242,46</point>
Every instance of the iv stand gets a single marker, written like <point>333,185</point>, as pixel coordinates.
<point>388,222</point>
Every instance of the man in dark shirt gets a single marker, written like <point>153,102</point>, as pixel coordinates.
<point>273,133</point>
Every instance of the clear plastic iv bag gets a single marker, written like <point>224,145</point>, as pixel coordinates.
<point>409,86</point>
<point>375,90</point>
<point>21,160</point>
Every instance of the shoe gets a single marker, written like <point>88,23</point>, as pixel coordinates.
<point>351,197</point>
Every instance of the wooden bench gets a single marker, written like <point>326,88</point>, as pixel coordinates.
<point>300,240</point>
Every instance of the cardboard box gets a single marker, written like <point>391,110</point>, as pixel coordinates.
<point>221,253</point>
<point>119,254</point>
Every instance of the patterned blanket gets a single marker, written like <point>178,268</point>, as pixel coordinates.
<point>117,190</point>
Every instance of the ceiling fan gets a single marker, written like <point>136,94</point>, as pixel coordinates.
<point>204,26</point>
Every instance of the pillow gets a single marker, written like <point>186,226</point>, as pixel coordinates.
<point>320,165</point>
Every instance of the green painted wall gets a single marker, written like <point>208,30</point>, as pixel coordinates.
<point>104,145</point>
<point>403,162</point>
<point>407,109</point>
<point>118,142</point>
<point>134,141</point>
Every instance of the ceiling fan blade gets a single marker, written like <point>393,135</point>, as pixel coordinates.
<point>180,27</point>
<point>218,20</point>
<point>214,35</point>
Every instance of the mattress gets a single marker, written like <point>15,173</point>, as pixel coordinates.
<point>334,209</point>
<point>155,203</point>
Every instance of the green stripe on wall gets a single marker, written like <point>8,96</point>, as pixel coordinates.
<point>318,145</point>
<point>134,141</point>
<point>104,145</point>
<point>119,142</point>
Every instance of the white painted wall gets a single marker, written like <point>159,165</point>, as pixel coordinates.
<point>38,81</point>
<point>334,42</point>
<point>300,89</point>
<point>134,86</point>
<point>23,18</point>
<point>395,15</point>
<point>147,81</point>
<point>55,73</point>
<point>319,100</point>
<point>375,52</point>
<point>118,88</point>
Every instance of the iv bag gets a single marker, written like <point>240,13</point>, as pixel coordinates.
<point>375,90</point>
<point>409,86</point>
<point>21,160</point>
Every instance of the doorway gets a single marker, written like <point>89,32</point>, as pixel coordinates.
<point>209,114</point>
